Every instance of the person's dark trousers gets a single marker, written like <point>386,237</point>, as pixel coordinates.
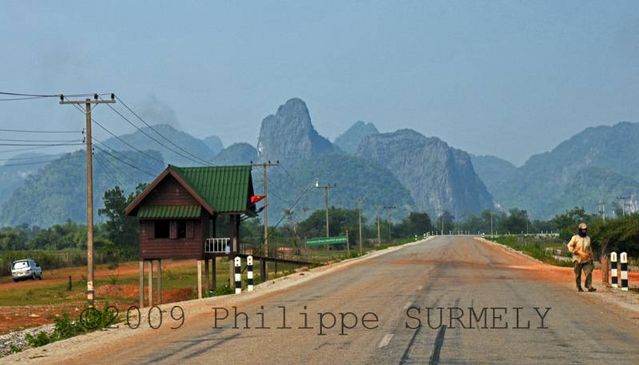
<point>587,268</point>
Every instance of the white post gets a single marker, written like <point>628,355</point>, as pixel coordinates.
<point>238,275</point>
<point>623,259</point>
<point>249,273</point>
<point>613,270</point>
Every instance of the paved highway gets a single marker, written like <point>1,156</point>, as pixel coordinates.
<point>449,300</point>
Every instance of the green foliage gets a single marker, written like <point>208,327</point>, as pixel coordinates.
<point>40,339</point>
<point>534,247</point>
<point>67,328</point>
<point>120,230</point>
<point>415,224</point>
<point>445,223</point>
<point>222,290</point>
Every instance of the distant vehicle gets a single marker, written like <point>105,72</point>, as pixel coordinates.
<point>26,269</point>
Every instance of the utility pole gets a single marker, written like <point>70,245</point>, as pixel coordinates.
<point>389,208</point>
<point>326,188</point>
<point>265,165</point>
<point>623,205</point>
<point>89,171</point>
<point>491,223</point>
<point>379,231</point>
<point>359,217</point>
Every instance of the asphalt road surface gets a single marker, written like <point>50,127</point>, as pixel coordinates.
<point>496,307</point>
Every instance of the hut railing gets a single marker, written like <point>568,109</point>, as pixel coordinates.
<point>217,245</point>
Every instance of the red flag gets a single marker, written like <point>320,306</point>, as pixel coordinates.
<point>256,198</point>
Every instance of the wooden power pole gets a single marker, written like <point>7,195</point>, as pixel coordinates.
<point>89,158</point>
<point>265,166</point>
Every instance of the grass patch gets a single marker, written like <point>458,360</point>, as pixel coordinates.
<point>535,247</point>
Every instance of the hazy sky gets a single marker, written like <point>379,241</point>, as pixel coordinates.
<point>490,77</point>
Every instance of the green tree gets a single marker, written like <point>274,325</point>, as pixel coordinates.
<point>516,222</point>
<point>445,222</point>
<point>120,229</point>
<point>415,224</point>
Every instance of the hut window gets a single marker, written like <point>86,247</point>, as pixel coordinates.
<point>162,229</point>
<point>181,229</point>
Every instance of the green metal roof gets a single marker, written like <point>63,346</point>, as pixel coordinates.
<point>166,211</point>
<point>224,188</point>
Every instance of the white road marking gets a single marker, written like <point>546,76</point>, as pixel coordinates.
<point>385,341</point>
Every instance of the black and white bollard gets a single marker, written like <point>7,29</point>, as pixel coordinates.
<point>249,272</point>
<point>614,279</point>
<point>623,260</point>
<point>238,275</point>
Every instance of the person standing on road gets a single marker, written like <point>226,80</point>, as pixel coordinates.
<point>581,250</point>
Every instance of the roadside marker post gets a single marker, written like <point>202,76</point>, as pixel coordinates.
<point>249,273</point>
<point>613,270</point>
<point>623,260</point>
<point>238,275</point>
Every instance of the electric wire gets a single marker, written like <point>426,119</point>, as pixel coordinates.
<point>158,133</point>
<point>123,161</point>
<point>119,138</point>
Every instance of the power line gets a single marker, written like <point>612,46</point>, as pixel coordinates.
<point>28,149</point>
<point>110,166</point>
<point>40,144</point>
<point>126,143</point>
<point>37,131</point>
<point>9,93</point>
<point>124,162</point>
<point>24,96</point>
<point>26,163</point>
<point>154,139</point>
<point>28,158</point>
<point>114,152</point>
<point>158,133</point>
<point>41,140</point>
<point>117,137</point>
<point>21,98</point>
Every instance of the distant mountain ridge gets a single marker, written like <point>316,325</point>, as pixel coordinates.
<point>402,168</point>
<point>440,178</point>
<point>289,136</point>
<point>349,140</point>
<point>595,165</point>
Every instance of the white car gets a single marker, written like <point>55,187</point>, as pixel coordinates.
<point>26,269</point>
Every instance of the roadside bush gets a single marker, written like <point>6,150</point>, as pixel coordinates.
<point>90,321</point>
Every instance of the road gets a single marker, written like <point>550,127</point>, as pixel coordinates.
<point>503,289</point>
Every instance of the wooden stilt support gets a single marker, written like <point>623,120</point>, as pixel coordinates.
<point>141,291</point>
<point>263,271</point>
<point>214,272</point>
<point>199,279</point>
<point>206,274</point>
<point>159,281</point>
<point>150,283</point>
